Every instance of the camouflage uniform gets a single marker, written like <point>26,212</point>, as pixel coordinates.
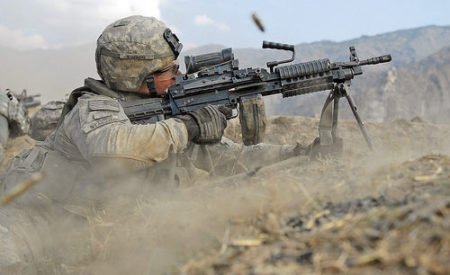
<point>45,120</point>
<point>94,132</point>
<point>95,129</point>
<point>97,132</point>
<point>13,119</point>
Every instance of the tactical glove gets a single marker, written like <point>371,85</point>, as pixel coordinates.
<point>205,125</point>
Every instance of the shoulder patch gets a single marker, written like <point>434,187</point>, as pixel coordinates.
<point>99,111</point>
<point>100,120</point>
<point>104,105</point>
<point>100,115</point>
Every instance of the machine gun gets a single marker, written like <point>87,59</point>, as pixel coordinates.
<point>215,78</point>
<point>28,101</point>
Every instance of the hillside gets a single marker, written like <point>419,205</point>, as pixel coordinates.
<point>417,90</point>
<point>386,91</point>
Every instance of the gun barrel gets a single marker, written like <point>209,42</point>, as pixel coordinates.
<point>32,104</point>
<point>376,60</point>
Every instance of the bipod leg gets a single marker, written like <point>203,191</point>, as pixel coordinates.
<point>335,117</point>
<point>347,95</point>
<point>328,119</point>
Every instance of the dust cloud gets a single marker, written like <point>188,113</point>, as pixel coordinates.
<point>127,225</point>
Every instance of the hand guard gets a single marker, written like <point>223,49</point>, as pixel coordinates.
<point>206,125</point>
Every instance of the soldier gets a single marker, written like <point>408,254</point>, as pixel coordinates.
<point>135,59</point>
<point>45,120</point>
<point>13,119</point>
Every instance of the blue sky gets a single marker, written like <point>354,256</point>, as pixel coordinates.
<point>300,21</point>
<point>41,24</point>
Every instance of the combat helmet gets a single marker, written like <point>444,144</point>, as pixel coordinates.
<point>131,49</point>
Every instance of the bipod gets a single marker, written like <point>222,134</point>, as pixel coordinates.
<point>330,112</point>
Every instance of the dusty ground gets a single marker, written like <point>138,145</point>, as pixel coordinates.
<point>381,212</point>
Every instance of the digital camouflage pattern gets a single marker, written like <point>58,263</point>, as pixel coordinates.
<point>97,128</point>
<point>4,125</point>
<point>15,113</point>
<point>95,135</point>
<point>13,119</point>
<point>4,134</point>
<point>95,131</point>
<point>4,103</point>
<point>131,49</point>
<point>45,120</point>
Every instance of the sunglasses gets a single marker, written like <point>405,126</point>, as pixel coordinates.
<point>173,68</point>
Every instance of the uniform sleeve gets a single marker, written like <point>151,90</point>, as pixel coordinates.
<point>99,128</point>
<point>228,157</point>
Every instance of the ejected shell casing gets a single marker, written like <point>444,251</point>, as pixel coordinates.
<point>258,22</point>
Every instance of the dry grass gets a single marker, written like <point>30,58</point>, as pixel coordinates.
<point>319,217</point>
<point>374,235</point>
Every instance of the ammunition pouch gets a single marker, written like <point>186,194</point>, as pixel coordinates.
<point>23,166</point>
<point>252,116</point>
<point>62,177</point>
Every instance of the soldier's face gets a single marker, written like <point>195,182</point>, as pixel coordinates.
<point>166,78</point>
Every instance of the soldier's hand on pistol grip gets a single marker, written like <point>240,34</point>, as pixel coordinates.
<point>205,125</point>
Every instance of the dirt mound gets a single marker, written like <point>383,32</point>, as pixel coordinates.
<point>404,231</point>
<point>385,211</point>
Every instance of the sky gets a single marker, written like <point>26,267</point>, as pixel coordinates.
<point>49,24</point>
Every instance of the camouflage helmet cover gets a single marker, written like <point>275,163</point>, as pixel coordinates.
<point>132,48</point>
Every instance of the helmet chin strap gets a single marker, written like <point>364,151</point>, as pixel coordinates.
<point>150,81</point>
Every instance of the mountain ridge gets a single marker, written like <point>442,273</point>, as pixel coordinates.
<point>56,72</point>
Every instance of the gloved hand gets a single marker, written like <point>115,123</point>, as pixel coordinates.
<point>205,125</point>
